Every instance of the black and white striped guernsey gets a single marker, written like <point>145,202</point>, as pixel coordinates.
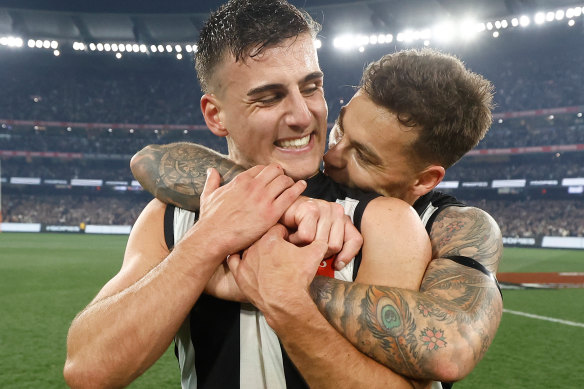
<point>225,344</point>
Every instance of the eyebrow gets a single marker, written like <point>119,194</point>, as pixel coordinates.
<point>269,87</point>
<point>372,155</point>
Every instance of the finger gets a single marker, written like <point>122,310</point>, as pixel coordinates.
<point>277,231</point>
<point>316,251</point>
<point>253,171</point>
<point>287,198</point>
<point>269,173</point>
<point>305,221</point>
<point>212,182</point>
<point>233,262</point>
<point>336,237</point>
<point>353,242</point>
<point>278,185</point>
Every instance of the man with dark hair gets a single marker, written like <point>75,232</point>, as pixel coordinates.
<point>265,95</point>
<point>415,114</point>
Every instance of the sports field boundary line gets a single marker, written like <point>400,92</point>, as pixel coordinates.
<point>532,316</point>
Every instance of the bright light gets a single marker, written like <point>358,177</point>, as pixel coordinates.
<point>579,114</point>
<point>153,48</point>
<point>426,43</point>
<point>381,38</point>
<point>160,48</point>
<point>317,44</point>
<point>373,39</point>
<point>100,47</point>
<point>504,23</point>
<point>46,44</point>
<point>179,56</point>
<point>131,130</point>
<point>500,121</point>
<point>114,47</point>
<point>560,14</point>
<point>143,48</point>
<point>69,129</point>
<point>178,48</point>
<point>38,43</point>
<point>495,34</point>
<point>524,21</point>
<point>92,46</point>
<point>121,47</point>
<point>169,48</point>
<point>497,25</point>
<point>444,32</point>
<point>185,132</point>
<point>136,48</point>
<point>389,37</point>
<point>107,47</point>
<point>56,53</point>
<point>577,11</point>
<point>54,44</point>
<point>551,117</point>
<point>110,129</point>
<point>481,27</point>
<point>129,47</point>
<point>195,48</point>
<point>489,26</point>
<point>469,30</point>
<point>361,49</point>
<point>118,55</point>
<point>189,49</point>
<point>539,18</point>
<point>514,22</point>
<point>31,43</point>
<point>571,23</point>
<point>570,13</point>
<point>549,17</point>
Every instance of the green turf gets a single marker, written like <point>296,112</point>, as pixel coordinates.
<point>45,279</point>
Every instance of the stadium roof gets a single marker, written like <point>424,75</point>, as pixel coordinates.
<point>150,21</point>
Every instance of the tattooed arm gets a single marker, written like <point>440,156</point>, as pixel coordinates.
<point>175,173</point>
<point>440,332</point>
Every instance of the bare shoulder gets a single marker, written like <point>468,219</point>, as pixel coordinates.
<point>467,231</point>
<point>396,247</point>
<point>146,248</point>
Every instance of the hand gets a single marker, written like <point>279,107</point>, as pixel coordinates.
<point>273,271</point>
<point>223,286</point>
<point>240,212</point>
<point>322,220</point>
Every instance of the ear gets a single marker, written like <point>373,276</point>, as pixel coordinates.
<point>211,108</point>
<point>428,179</point>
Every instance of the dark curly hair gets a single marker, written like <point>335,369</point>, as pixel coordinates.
<point>245,28</point>
<point>434,93</point>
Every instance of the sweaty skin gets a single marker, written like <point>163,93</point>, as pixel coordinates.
<point>439,333</point>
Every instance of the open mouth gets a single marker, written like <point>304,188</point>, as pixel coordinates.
<point>293,143</point>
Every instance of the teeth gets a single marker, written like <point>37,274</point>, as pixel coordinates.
<point>301,142</point>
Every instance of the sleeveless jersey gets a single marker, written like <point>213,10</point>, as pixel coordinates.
<point>224,344</point>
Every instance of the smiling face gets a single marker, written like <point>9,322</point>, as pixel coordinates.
<point>370,149</point>
<point>271,107</point>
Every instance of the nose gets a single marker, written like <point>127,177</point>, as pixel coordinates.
<point>298,114</point>
<point>334,157</point>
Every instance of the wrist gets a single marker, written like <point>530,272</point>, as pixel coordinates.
<point>290,313</point>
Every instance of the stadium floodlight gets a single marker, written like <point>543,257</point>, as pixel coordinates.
<point>136,48</point>
<point>361,49</point>
<point>469,29</point>
<point>54,45</point>
<point>56,53</point>
<point>570,13</point>
<point>107,47</point>
<point>495,34</point>
<point>178,48</point>
<point>539,18</point>
<point>317,44</point>
<point>389,37</point>
<point>524,21</point>
<point>195,47</point>
<point>38,43</point>
<point>31,43</point>
<point>560,14</point>
<point>189,49</point>
<point>444,32</point>
<point>46,44</point>
<point>92,46</point>
<point>131,130</point>
<point>179,56</point>
<point>514,22</point>
<point>129,47</point>
<point>114,47</point>
<point>549,17</point>
<point>571,23</point>
<point>99,46</point>
<point>504,23</point>
<point>185,132</point>
<point>578,11</point>
<point>143,48</point>
<point>153,48</point>
<point>121,47</point>
<point>110,130</point>
<point>373,39</point>
<point>160,48</point>
<point>500,121</point>
<point>118,55</point>
<point>426,43</point>
<point>579,114</point>
<point>169,48</point>
<point>489,26</point>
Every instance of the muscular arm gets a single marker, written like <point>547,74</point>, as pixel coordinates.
<point>440,332</point>
<point>175,173</point>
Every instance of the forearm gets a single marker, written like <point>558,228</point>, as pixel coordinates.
<point>118,336</point>
<point>176,173</point>
<point>326,359</point>
<point>438,334</point>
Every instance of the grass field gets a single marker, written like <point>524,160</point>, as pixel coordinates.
<point>45,279</point>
